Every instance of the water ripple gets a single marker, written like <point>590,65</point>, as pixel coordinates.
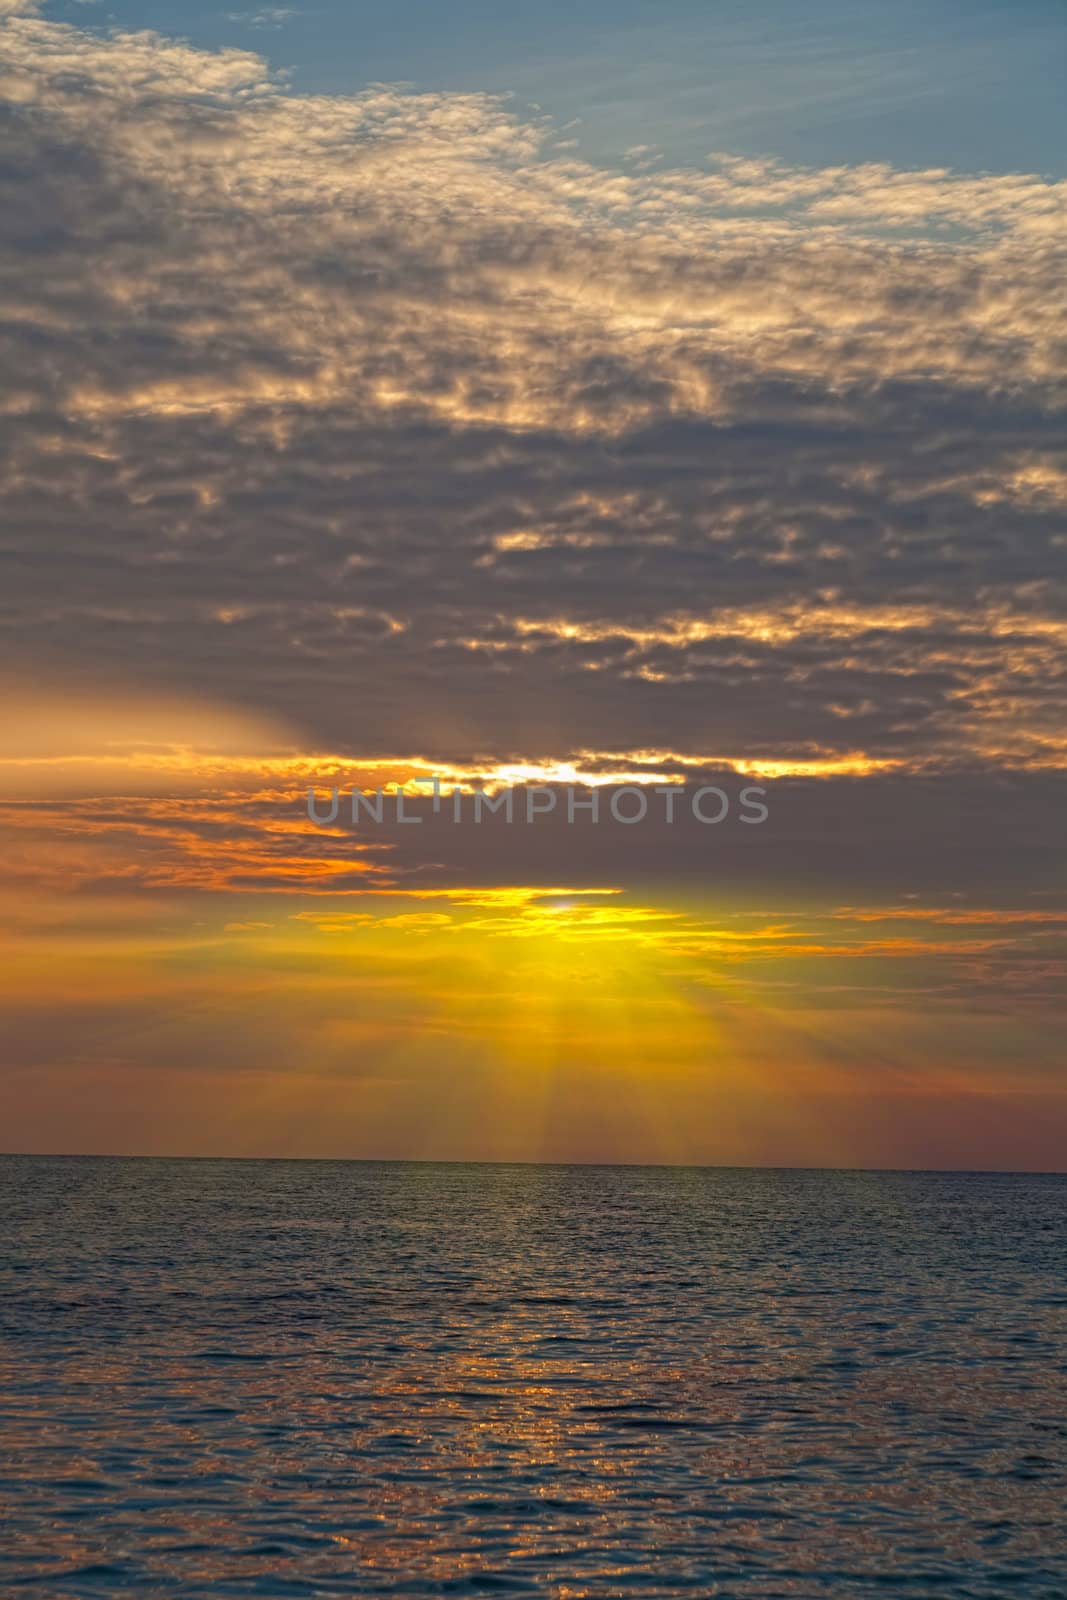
<point>331,1379</point>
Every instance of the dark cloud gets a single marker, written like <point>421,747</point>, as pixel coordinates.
<point>387,416</point>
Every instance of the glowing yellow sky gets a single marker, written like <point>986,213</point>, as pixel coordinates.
<point>206,971</point>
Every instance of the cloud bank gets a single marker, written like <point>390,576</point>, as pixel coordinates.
<point>414,430</point>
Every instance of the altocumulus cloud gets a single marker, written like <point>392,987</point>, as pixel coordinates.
<point>402,423</point>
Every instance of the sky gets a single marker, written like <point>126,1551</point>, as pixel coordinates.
<point>551,400</point>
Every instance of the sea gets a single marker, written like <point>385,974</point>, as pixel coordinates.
<point>317,1378</point>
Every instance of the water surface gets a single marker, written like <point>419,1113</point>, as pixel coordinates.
<point>332,1379</point>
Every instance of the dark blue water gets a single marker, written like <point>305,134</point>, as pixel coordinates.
<point>297,1378</point>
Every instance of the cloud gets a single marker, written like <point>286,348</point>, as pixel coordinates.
<point>265,17</point>
<point>432,441</point>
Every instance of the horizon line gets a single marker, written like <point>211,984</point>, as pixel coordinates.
<point>460,1161</point>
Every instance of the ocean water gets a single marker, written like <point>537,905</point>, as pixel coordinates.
<point>320,1378</point>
